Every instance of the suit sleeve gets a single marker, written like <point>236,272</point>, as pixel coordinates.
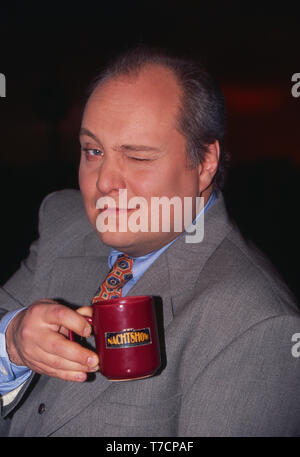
<point>14,295</point>
<point>251,388</point>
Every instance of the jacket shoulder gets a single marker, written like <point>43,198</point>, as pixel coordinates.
<point>248,277</point>
<point>62,202</point>
<point>61,209</point>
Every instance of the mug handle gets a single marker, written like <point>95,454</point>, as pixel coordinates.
<point>71,334</point>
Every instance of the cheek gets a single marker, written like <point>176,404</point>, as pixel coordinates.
<point>156,182</point>
<point>186,182</point>
<point>87,189</point>
<point>167,182</point>
<point>81,178</point>
<point>86,182</point>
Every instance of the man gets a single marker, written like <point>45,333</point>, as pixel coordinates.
<point>153,126</point>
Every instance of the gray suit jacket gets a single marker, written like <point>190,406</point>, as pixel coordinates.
<point>226,324</point>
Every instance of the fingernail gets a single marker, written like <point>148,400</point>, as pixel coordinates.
<point>92,361</point>
<point>87,331</point>
<point>80,377</point>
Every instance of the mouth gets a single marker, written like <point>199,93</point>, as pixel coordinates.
<point>116,210</point>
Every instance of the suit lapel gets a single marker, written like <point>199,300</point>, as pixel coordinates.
<point>156,282</point>
<point>75,278</point>
<point>186,260</point>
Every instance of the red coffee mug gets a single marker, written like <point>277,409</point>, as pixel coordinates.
<point>126,337</point>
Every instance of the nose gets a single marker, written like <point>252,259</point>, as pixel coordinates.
<point>110,177</point>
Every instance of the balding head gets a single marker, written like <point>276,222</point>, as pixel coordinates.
<point>201,106</point>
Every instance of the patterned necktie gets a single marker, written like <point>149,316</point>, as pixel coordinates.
<point>118,276</point>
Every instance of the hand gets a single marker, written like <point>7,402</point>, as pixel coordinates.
<point>33,339</point>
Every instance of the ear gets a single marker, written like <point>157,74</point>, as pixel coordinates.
<point>207,169</point>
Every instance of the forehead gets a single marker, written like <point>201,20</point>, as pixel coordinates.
<point>147,101</point>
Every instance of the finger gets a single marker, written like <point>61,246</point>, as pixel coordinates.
<point>58,345</point>
<point>53,365</point>
<point>60,315</point>
<point>63,331</point>
<point>66,375</point>
<point>84,311</point>
<point>55,362</point>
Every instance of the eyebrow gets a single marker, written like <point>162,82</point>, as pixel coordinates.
<point>123,147</point>
<point>84,131</point>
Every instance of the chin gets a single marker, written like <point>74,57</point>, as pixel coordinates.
<point>134,244</point>
<point>120,241</point>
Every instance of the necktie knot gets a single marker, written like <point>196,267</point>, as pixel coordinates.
<point>118,276</point>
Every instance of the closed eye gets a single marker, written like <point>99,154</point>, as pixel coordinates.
<point>139,159</point>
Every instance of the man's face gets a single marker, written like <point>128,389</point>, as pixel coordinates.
<point>129,141</point>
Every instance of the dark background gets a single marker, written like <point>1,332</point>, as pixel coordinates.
<point>50,52</point>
